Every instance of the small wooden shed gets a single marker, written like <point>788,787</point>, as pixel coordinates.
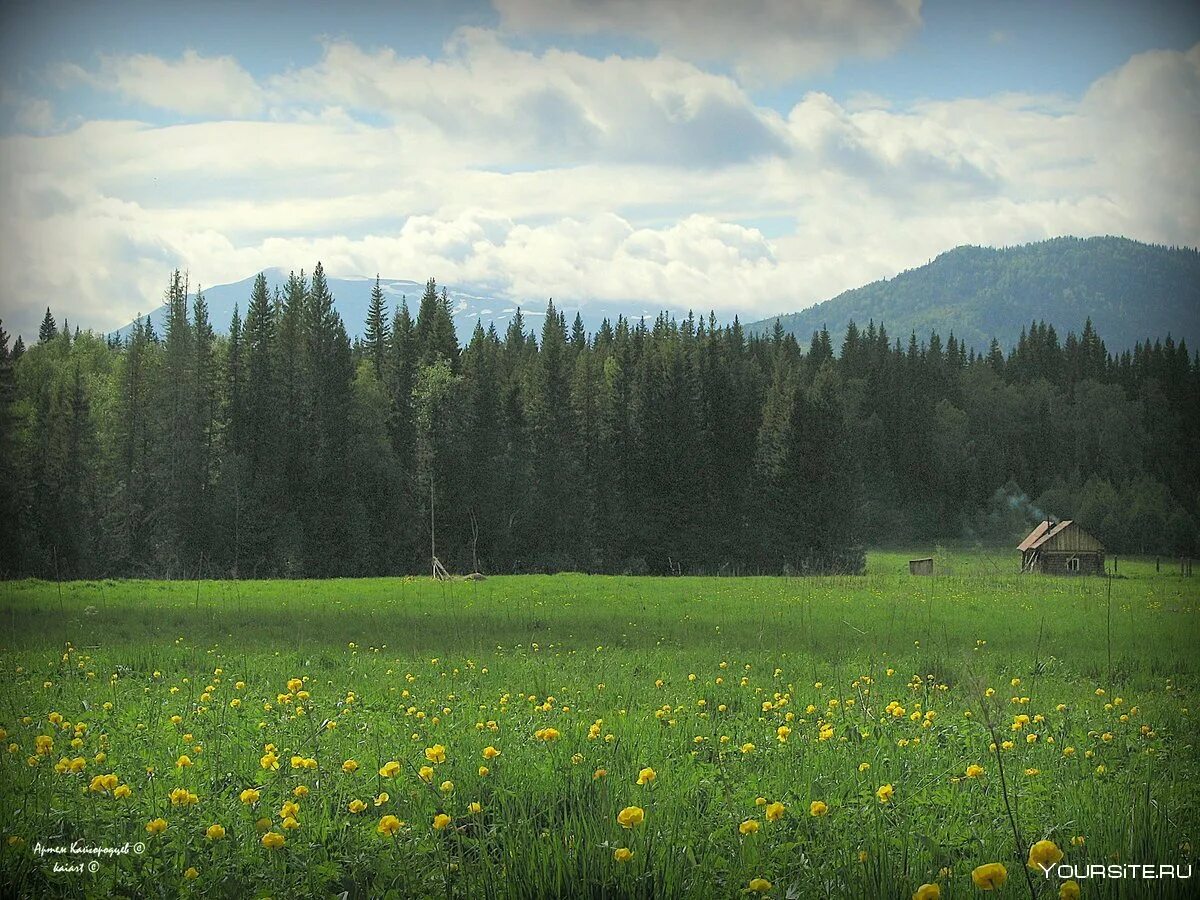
<point>1061,548</point>
<point>921,566</point>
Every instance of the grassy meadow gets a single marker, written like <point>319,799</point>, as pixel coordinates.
<point>576,735</point>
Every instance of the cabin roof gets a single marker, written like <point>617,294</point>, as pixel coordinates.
<point>1044,532</point>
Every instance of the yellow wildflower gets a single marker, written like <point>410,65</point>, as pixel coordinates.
<point>989,876</point>
<point>273,840</point>
<point>388,825</point>
<point>1044,854</point>
<point>631,816</point>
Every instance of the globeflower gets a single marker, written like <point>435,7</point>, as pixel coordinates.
<point>273,840</point>
<point>546,734</point>
<point>350,766</point>
<point>269,761</point>
<point>156,826</point>
<point>1069,890</point>
<point>646,776</point>
<point>102,784</point>
<point>214,832</point>
<point>622,854</point>
<point>750,826</point>
<point>490,753</point>
<point>183,762</point>
<point>249,796</point>
<point>885,793</point>
<point>974,771</point>
<point>928,892</point>
<point>356,806</point>
<point>989,876</point>
<point>775,811</point>
<point>183,797</point>
<point>817,809</point>
<point>631,816</point>
<point>440,821</point>
<point>759,885</point>
<point>388,825</point>
<point>389,769</point>
<point>436,753</point>
<point>426,774</point>
<point>1043,855</point>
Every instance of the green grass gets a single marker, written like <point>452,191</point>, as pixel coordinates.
<point>435,663</point>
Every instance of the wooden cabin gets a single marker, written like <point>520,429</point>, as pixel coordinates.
<point>1061,548</point>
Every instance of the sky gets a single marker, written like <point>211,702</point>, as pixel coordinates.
<point>751,158</point>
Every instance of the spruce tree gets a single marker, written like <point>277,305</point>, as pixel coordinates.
<point>180,434</point>
<point>376,339</point>
<point>49,329</point>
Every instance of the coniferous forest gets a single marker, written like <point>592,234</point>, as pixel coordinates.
<point>284,448</point>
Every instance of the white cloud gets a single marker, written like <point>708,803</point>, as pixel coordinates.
<point>765,40</point>
<point>193,85</point>
<point>1144,121</point>
<point>92,219</point>
<point>558,107</point>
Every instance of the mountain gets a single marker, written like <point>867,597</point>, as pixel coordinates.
<point>351,297</point>
<point>1131,291</point>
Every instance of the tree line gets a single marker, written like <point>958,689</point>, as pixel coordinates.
<point>285,448</point>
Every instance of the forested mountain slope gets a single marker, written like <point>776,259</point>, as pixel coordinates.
<point>1131,291</point>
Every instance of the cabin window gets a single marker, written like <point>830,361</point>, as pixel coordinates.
<point>1073,564</point>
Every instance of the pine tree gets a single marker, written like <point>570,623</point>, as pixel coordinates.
<point>548,412</point>
<point>132,514</point>
<point>181,443</point>
<point>49,329</point>
<point>376,339</point>
<point>205,405</point>
<point>11,558</point>
<point>776,505</point>
<point>434,331</point>
<point>327,373</point>
<point>578,335</point>
<point>481,480</point>
<point>261,447</point>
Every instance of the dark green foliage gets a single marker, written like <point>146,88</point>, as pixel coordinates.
<point>1130,290</point>
<point>376,338</point>
<point>49,328</point>
<point>664,447</point>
